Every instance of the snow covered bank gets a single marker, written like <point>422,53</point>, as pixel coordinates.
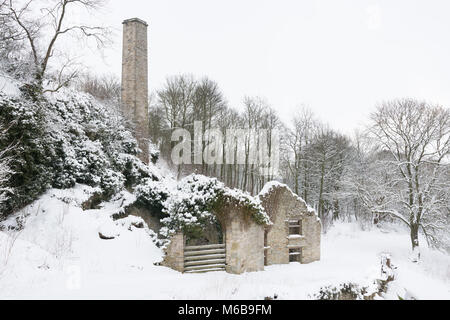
<point>8,85</point>
<point>59,255</point>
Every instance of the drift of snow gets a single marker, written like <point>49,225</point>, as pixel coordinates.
<point>59,255</point>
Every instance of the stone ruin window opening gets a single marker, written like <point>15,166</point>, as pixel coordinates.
<point>295,227</point>
<point>295,255</point>
<point>295,231</point>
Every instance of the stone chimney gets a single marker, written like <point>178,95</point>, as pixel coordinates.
<point>135,81</point>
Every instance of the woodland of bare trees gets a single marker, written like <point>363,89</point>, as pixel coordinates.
<point>395,170</point>
<point>185,100</point>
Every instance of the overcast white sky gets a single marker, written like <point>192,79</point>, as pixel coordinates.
<point>339,57</point>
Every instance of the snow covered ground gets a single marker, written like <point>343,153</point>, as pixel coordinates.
<point>8,85</point>
<point>59,255</point>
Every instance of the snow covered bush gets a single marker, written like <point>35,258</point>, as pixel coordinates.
<point>5,170</point>
<point>344,291</point>
<point>155,153</point>
<point>64,139</point>
<point>112,182</point>
<point>152,194</point>
<point>32,154</point>
<point>133,169</point>
<point>196,200</point>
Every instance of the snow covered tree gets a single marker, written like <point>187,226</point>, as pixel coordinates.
<point>357,187</point>
<point>413,138</point>
<point>41,25</point>
<point>314,160</point>
<point>5,171</point>
<point>8,31</point>
<point>32,152</point>
<point>297,159</point>
<point>329,152</point>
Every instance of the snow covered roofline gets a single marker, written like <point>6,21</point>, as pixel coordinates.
<point>197,200</point>
<point>272,186</point>
<point>296,232</point>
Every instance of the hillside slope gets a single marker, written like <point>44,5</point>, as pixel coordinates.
<point>66,138</point>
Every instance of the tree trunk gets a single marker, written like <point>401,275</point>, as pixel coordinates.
<point>415,242</point>
<point>321,206</point>
<point>414,236</point>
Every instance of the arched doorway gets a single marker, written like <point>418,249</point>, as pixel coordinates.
<point>205,250</point>
<point>242,249</point>
<point>212,233</point>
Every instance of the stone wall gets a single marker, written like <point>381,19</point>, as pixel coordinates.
<point>135,80</point>
<point>282,205</point>
<point>174,257</point>
<point>312,229</point>
<point>244,241</point>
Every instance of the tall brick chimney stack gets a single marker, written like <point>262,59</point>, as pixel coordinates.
<point>135,80</point>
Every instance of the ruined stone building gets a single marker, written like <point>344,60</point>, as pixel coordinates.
<point>295,233</point>
<point>135,81</point>
<point>293,237</point>
<point>241,251</point>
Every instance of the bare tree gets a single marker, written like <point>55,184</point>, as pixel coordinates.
<point>105,88</point>
<point>356,180</point>
<point>297,159</point>
<point>328,152</point>
<point>415,139</point>
<point>176,97</point>
<point>254,108</point>
<point>9,32</point>
<point>208,102</point>
<point>11,41</point>
<point>272,123</point>
<point>43,31</point>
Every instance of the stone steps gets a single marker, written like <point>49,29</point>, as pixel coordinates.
<point>203,252</point>
<point>205,271</point>
<point>205,257</point>
<point>212,246</point>
<point>205,268</point>
<point>202,259</point>
<point>204,262</point>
